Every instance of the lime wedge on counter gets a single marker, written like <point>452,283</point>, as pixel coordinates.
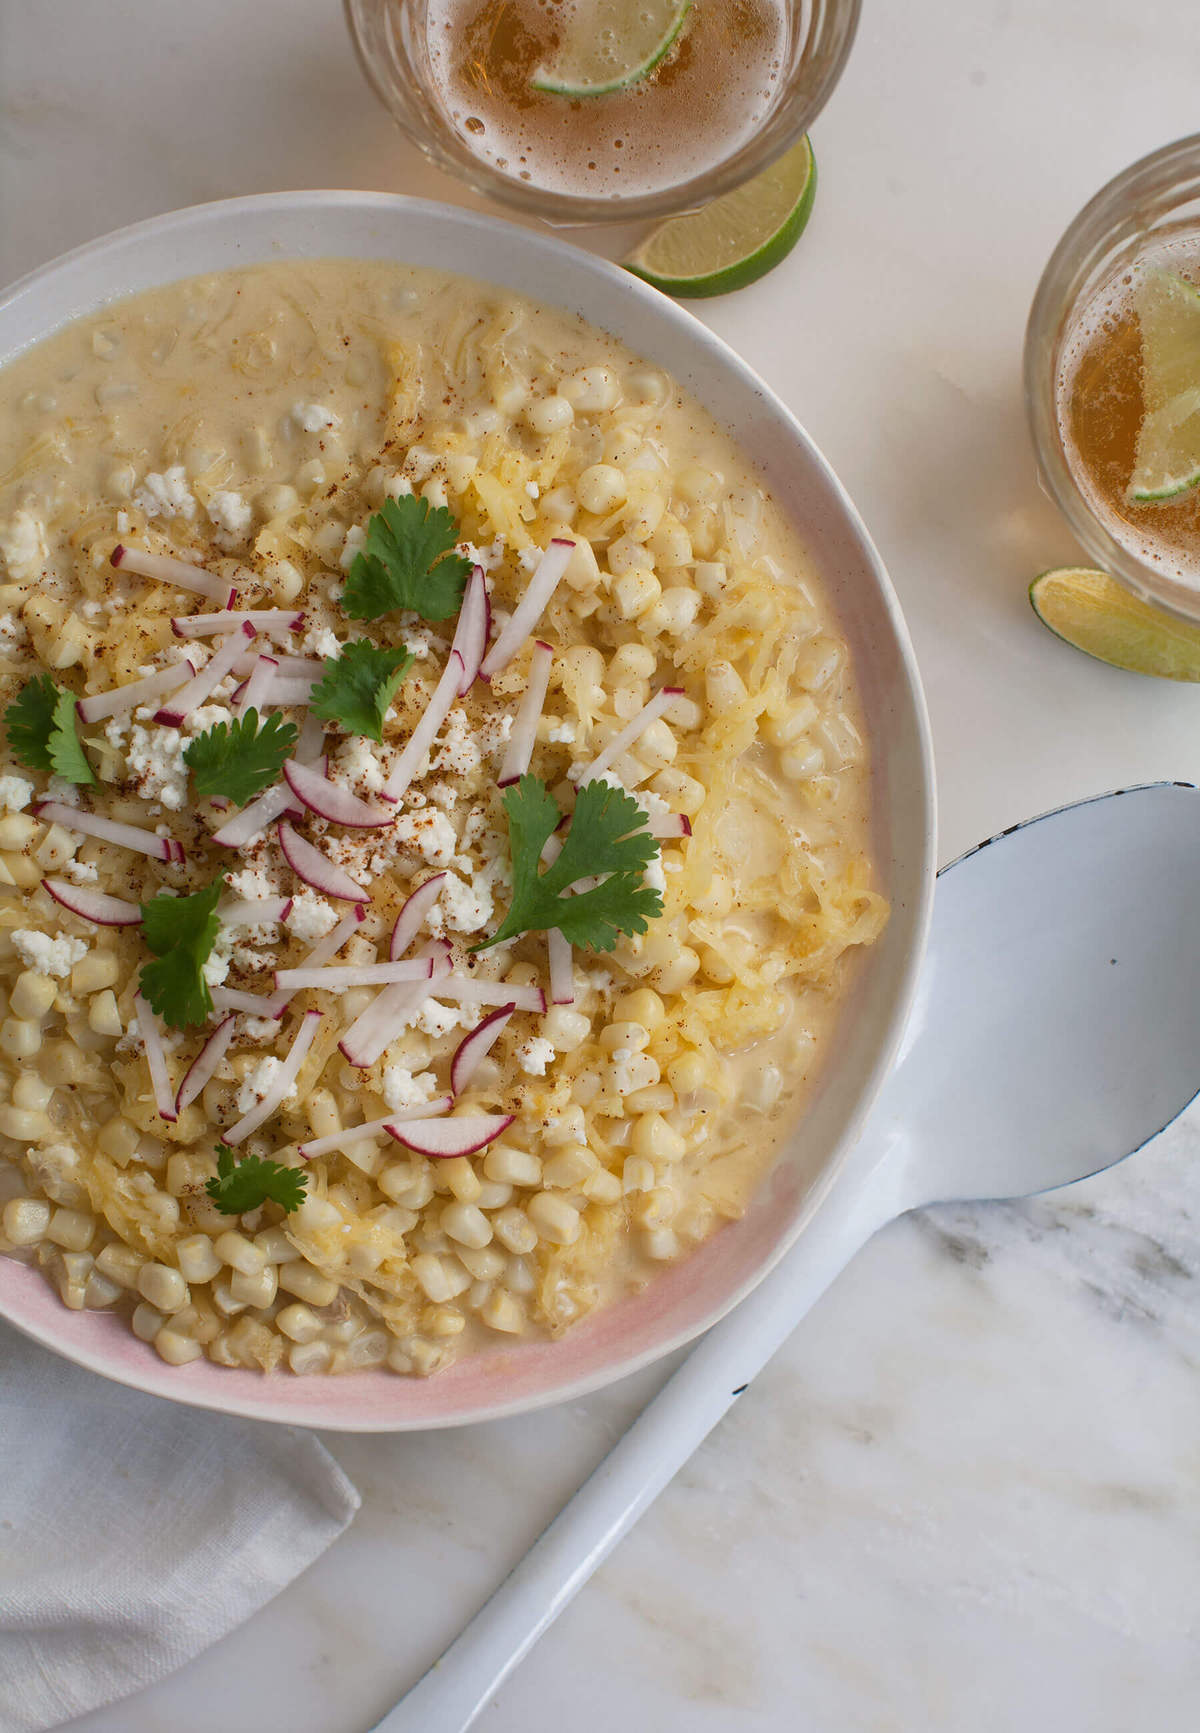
<point>1167,459</point>
<point>609,45</point>
<point>1096,614</point>
<point>736,239</point>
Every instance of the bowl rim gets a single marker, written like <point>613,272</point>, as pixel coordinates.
<point>148,1373</point>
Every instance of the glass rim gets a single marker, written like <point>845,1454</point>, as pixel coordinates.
<point>1105,235</point>
<point>840,19</point>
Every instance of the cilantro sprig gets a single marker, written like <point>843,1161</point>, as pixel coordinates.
<point>243,1185</point>
<point>407,561</point>
<point>43,732</point>
<point>358,685</point>
<point>606,839</point>
<point>181,932</point>
<point>239,759</point>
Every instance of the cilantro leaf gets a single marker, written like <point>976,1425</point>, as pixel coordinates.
<point>606,839</point>
<point>408,561</point>
<point>239,759</point>
<point>181,931</point>
<point>358,685</point>
<point>67,757</point>
<point>42,731</point>
<point>243,1185</point>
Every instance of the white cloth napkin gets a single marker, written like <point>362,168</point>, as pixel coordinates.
<point>134,1533</point>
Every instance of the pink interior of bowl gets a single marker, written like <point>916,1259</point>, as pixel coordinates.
<point>690,1296</point>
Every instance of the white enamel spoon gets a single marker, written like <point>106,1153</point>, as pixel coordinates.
<point>1054,1032</point>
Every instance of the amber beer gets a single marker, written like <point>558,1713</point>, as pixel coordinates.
<point>695,110</point>
<point>1100,412</point>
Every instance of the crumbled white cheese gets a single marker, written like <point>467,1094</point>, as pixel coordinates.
<point>23,544</point>
<point>156,765</point>
<point>420,462</point>
<point>258,1028</point>
<point>311,917</point>
<point>419,641</point>
<point>122,523</point>
<point>529,558</point>
<point>215,969</point>
<point>360,766</point>
<point>435,1019</point>
<point>443,795</point>
<point>82,872</point>
<point>534,1054</point>
<point>489,558</point>
<point>560,732</point>
<point>356,537</point>
<point>66,793</point>
<point>115,730</point>
<point>46,955</point>
<point>15,792</point>
<point>253,883</point>
<point>460,754</point>
<point>654,876</point>
<point>259,1083</point>
<point>320,641</point>
<point>494,731</point>
<point>230,515</point>
<point>465,907</point>
<point>166,495</point>
<point>314,417</point>
<point>532,489</point>
<point>428,833</point>
<point>402,1089</point>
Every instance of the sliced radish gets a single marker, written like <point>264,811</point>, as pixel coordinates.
<point>284,1078</point>
<point>269,620</point>
<point>310,741</point>
<point>562,968</point>
<point>521,740</point>
<point>288,694</point>
<point>253,911</point>
<point>108,830</point>
<point>471,633</point>
<point>445,1138</point>
<point>257,816</point>
<point>150,1030</point>
<point>205,1063</point>
<point>254,1004</point>
<point>374,1030</point>
<point>171,571</point>
<point>624,740</point>
<point>317,870</point>
<point>664,825</point>
<point>466,990</point>
<point>251,694</point>
<point>290,667</point>
<point>327,800</point>
<point>93,905</point>
<point>123,699</point>
<point>529,609</point>
<point>408,921</point>
<point>424,734</point>
<point>477,1045</point>
<point>340,979</point>
<point>373,1127</point>
<point>192,696</point>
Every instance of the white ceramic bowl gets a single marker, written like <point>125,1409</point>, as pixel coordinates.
<point>687,1298</point>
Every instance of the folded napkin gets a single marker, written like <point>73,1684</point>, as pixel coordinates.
<point>134,1533</point>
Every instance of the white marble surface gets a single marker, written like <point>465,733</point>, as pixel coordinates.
<point>966,1495</point>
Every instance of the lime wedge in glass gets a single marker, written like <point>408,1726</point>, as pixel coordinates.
<point>609,45</point>
<point>1167,459</point>
<point>1094,613</point>
<point>736,239</point>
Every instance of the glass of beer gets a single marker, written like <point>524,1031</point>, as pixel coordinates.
<point>584,111</point>
<point>1112,377</point>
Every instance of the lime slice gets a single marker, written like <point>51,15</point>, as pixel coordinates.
<point>608,45</point>
<point>1094,613</point>
<point>736,239</point>
<point>1167,460</point>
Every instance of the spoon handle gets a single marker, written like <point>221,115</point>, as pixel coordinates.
<point>646,1458</point>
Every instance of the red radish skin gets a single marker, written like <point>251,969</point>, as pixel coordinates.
<point>524,734</point>
<point>192,696</point>
<point>150,1030</point>
<point>632,730</point>
<point>476,1046</point>
<point>327,800</point>
<point>464,989</point>
<point>373,1127</point>
<point>665,825</point>
<point>285,1077</point>
<point>340,979</point>
<point>309,864</point>
<point>252,692</point>
<point>94,906</point>
<point>412,914</point>
<point>444,1139</point>
<point>372,1033</point>
<point>471,634</point>
<point>205,1063</point>
<point>424,734</point>
<point>255,818</point>
<point>253,1004</point>
<point>270,620</point>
